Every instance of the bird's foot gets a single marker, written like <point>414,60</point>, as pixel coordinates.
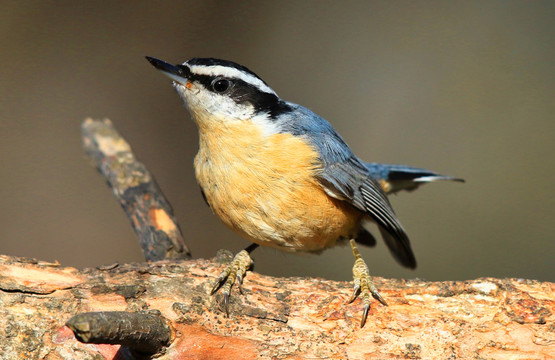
<point>363,284</point>
<point>234,271</point>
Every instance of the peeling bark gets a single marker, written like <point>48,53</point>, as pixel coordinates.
<point>275,318</point>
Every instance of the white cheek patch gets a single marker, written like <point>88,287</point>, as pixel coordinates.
<point>200,100</point>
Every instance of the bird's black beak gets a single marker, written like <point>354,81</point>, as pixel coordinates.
<point>178,73</point>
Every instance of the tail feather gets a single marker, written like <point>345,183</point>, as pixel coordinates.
<point>394,178</point>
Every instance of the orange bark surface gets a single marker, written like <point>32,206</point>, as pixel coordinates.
<point>275,318</point>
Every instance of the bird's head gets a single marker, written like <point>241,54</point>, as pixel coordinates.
<point>217,91</point>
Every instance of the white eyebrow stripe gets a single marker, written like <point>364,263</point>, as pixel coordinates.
<point>219,70</point>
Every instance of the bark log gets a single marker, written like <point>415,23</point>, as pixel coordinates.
<point>274,318</point>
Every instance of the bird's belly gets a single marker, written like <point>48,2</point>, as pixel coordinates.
<point>265,189</point>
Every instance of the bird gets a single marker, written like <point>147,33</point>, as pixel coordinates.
<point>281,176</point>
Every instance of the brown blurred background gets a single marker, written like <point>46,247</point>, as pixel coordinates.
<point>463,88</point>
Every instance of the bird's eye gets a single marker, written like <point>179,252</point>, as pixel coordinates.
<point>221,85</point>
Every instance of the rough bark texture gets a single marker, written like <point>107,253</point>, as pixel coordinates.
<point>275,318</point>
<point>150,214</point>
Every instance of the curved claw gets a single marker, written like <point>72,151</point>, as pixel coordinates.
<point>356,292</point>
<point>378,297</point>
<point>364,315</point>
<point>225,303</point>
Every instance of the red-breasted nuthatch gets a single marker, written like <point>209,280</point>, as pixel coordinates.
<point>281,176</point>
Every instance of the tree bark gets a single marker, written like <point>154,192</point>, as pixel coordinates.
<point>274,318</point>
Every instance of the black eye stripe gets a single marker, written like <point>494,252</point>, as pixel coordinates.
<point>205,80</point>
<point>243,93</point>
<point>239,86</point>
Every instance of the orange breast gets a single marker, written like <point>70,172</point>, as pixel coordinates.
<point>264,188</point>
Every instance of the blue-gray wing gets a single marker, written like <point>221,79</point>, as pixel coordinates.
<point>346,181</point>
<point>344,176</point>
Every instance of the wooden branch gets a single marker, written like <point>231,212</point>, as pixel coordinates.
<point>275,318</point>
<point>136,190</point>
<point>144,335</point>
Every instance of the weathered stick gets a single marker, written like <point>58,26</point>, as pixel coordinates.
<point>136,190</point>
<point>143,334</point>
<point>275,318</point>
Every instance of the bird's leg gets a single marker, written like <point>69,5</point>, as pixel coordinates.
<point>235,270</point>
<point>363,284</point>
